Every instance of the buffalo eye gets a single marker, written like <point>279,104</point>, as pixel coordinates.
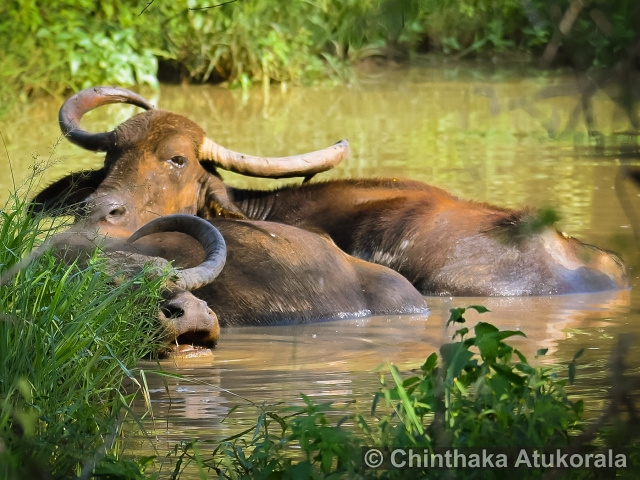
<point>178,161</point>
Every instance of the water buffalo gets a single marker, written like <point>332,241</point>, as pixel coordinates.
<point>183,317</point>
<point>279,274</point>
<point>269,275</point>
<point>158,163</point>
<point>442,244</point>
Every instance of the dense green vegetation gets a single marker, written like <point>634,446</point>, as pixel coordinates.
<point>71,44</point>
<point>69,336</point>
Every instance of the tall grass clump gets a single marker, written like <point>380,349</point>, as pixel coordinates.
<point>69,336</point>
<point>263,41</point>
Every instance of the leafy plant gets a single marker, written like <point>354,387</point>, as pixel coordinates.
<point>469,26</point>
<point>63,46</point>
<point>492,398</point>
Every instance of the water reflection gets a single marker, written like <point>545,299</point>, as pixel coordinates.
<point>482,134</point>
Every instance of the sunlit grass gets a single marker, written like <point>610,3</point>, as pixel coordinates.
<point>69,336</point>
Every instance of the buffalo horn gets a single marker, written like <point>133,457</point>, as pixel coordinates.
<point>207,236</point>
<point>281,167</point>
<point>76,106</point>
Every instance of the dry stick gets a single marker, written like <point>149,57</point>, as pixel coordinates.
<point>564,27</point>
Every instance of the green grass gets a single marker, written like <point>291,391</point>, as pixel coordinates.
<point>69,336</point>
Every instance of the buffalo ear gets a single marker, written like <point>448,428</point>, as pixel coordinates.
<point>68,192</point>
<point>215,201</point>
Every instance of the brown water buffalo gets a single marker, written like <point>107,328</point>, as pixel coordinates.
<point>442,244</point>
<point>183,317</point>
<point>159,163</point>
<point>269,275</point>
<point>279,274</point>
<point>273,273</point>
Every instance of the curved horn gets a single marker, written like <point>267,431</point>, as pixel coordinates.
<point>76,106</point>
<point>206,234</point>
<point>281,167</point>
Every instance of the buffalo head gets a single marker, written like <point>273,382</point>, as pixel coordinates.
<point>158,163</point>
<point>184,319</point>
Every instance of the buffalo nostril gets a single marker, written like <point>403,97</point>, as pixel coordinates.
<point>119,211</point>
<point>172,311</point>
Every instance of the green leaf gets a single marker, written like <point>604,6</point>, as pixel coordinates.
<point>506,372</point>
<point>406,402</point>
<point>456,316</point>
<point>479,308</point>
<point>460,333</point>
<point>430,363</point>
<point>455,356</point>
<point>520,355</point>
<point>327,458</point>
<point>510,333</point>
<point>484,328</point>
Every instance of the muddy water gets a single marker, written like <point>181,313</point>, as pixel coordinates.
<point>489,135</point>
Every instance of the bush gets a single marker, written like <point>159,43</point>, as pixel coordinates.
<point>73,44</point>
<point>463,27</point>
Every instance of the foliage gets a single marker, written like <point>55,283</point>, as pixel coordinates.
<point>480,392</point>
<point>72,44</point>
<point>243,41</point>
<point>467,26</point>
<point>69,336</point>
<point>496,400</point>
<point>254,40</point>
